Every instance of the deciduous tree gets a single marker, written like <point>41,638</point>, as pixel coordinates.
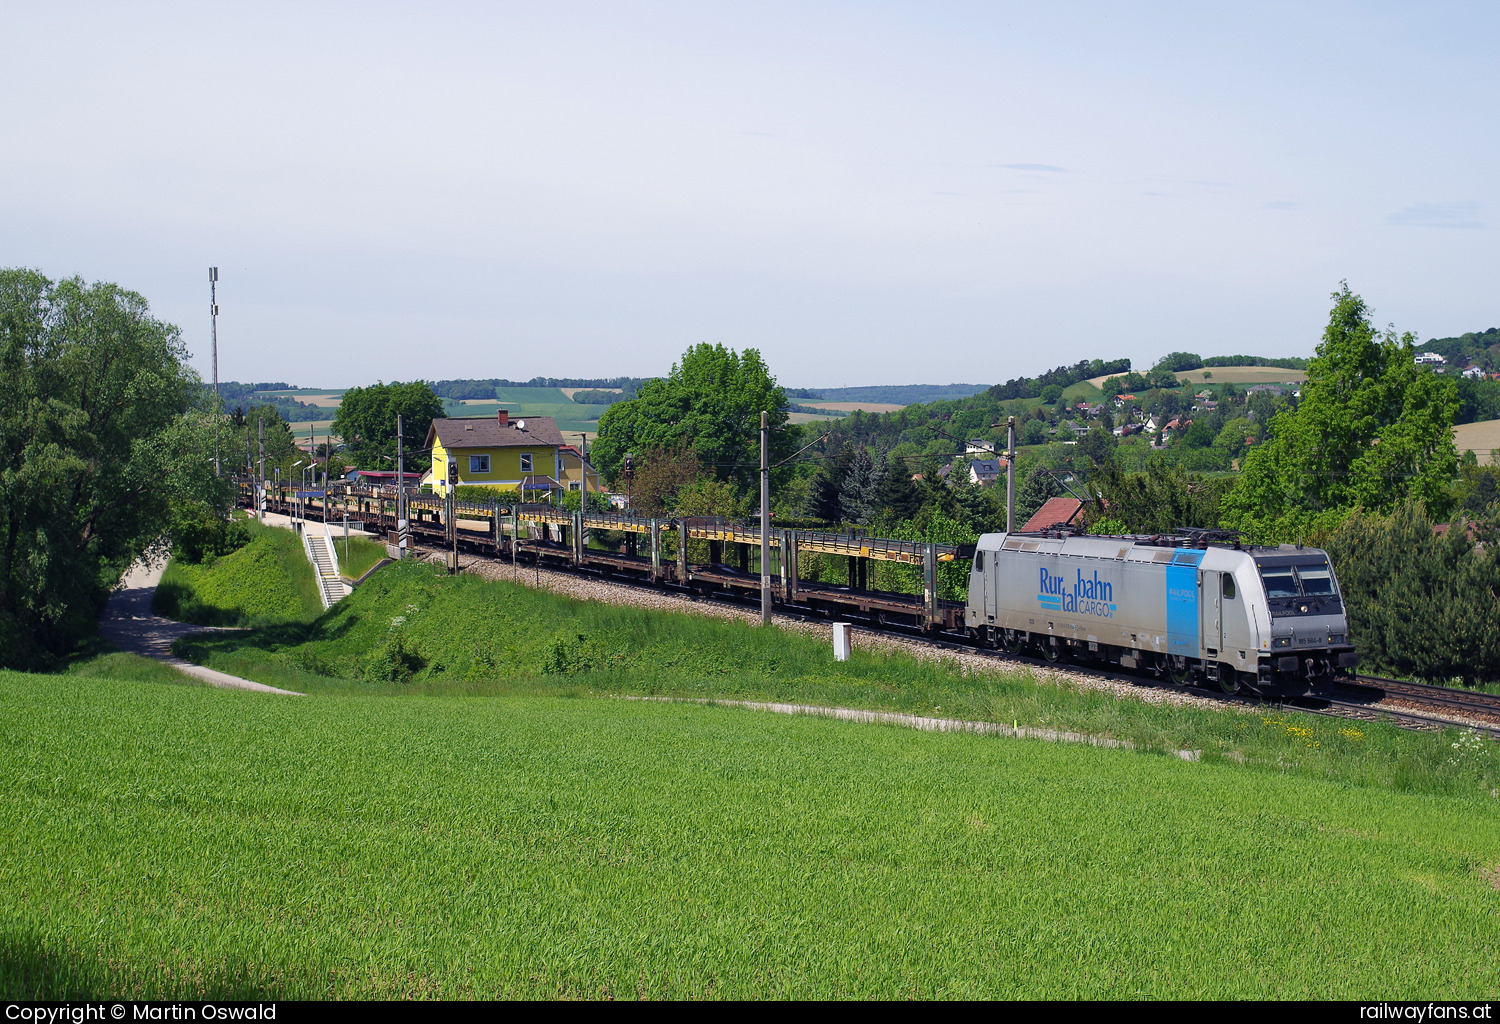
<point>94,452</point>
<point>712,401</point>
<point>366,420</point>
<point>1372,430</point>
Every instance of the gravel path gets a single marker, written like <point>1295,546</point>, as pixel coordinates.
<point>130,625</point>
<point>585,588</point>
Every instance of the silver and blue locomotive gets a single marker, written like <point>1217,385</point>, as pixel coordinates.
<point>1196,610</point>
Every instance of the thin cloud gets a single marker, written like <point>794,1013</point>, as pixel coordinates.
<point>1214,184</point>
<point>1281,204</point>
<point>1438,215</point>
<point>1034,167</point>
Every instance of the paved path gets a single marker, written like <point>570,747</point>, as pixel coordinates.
<point>129,624</point>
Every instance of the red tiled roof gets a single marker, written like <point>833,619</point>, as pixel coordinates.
<point>1055,512</point>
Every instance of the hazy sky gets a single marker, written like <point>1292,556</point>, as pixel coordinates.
<point>866,192</point>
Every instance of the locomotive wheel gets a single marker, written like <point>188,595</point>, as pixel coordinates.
<point>1229,680</point>
<point>1012,640</point>
<point>1052,651</point>
<point>1179,670</point>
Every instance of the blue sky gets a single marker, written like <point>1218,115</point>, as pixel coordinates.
<point>868,193</point>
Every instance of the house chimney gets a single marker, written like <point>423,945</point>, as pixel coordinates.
<point>503,416</point>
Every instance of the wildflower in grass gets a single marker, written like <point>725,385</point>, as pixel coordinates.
<point>1353,735</point>
<point>1468,750</point>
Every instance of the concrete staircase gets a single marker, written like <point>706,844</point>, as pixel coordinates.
<point>325,561</point>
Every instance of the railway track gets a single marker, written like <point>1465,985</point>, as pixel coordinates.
<point>1370,700</point>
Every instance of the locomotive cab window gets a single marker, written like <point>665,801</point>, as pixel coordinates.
<point>1228,587</point>
<point>979,561</point>
<point>1316,580</point>
<point>1301,588</point>
<point>1280,581</point>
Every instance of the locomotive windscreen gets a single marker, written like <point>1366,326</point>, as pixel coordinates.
<point>1301,588</point>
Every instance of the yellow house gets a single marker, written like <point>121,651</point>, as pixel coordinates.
<point>577,471</point>
<point>517,454</point>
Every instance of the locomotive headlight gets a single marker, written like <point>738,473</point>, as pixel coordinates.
<point>1283,641</point>
<point>1335,638</point>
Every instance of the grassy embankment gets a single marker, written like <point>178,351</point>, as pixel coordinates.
<point>357,555</point>
<point>412,629</point>
<point>173,842</point>
<point>268,580</point>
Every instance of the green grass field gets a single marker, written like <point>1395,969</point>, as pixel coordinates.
<point>464,806</point>
<point>170,842</point>
<point>269,580</point>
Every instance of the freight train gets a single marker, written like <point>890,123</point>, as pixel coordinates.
<point>1196,607</point>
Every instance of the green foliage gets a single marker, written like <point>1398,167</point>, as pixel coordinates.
<point>712,402</point>
<point>366,421</point>
<point>1420,605</point>
<point>392,660</point>
<point>595,397</point>
<point>891,394</point>
<point>267,580</point>
<point>200,531</point>
<point>281,446</point>
<point>1286,363</point>
<point>1371,430</point>
<point>707,496</point>
<point>1061,376</point>
<point>1159,500</point>
<point>1479,348</point>
<point>1177,362</point>
<point>1478,400</point>
<point>1035,489</point>
<point>95,451</point>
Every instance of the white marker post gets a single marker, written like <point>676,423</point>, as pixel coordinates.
<point>841,639</point>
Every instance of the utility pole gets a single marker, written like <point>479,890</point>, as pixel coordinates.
<point>765,522</point>
<point>260,477</point>
<point>213,317</point>
<point>1010,476</point>
<point>400,492</point>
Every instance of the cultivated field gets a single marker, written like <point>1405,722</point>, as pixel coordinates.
<point>1481,438</point>
<point>852,406</point>
<point>1231,375</point>
<point>522,402</point>
<point>808,417</point>
<point>162,841</point>
<point>319,427</point>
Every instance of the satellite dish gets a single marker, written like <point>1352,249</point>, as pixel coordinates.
<point>520,424</point>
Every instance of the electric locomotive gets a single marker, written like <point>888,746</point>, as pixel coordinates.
<point>1197,607</point>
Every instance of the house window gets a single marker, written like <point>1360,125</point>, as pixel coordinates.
<point>479,463</point>
<point>574,485</point>
<point>525,463</point>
